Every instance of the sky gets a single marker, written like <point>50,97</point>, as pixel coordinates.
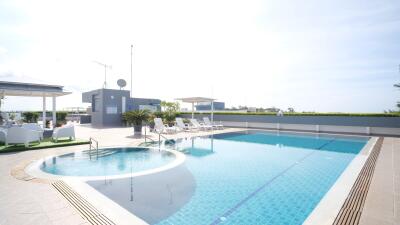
<point>312,55</point>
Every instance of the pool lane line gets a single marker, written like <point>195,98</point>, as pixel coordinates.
<point>325,144</point>
<point>251,195</point>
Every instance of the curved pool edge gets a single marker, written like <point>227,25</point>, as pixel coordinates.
<point>112,210</point>
<point>33,169</point>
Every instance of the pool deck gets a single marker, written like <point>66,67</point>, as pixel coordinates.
<point>35,202</point>
<point>382,205</point>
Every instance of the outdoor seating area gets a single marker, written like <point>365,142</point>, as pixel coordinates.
<point>17,136</point>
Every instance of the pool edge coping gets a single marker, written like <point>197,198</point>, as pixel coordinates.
<point>329,206</point>
<point>116,213</point>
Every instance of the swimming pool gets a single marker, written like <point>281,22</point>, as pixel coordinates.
<point>106,162</point>
<point>251,177</point>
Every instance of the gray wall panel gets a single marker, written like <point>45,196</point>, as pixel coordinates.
<point>393,122</point>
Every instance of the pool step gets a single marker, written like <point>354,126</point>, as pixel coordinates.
<point>85,209</point>
<point>350,213</point>
<point>101,153</point>
<point>148,144</point>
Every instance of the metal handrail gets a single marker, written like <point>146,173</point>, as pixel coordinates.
<point>166,139</point>
<point>159,137</point>
<point>96,147</point>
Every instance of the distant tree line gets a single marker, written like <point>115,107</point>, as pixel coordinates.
<point>260,109</point>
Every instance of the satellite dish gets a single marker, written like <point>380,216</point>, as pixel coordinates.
<point>121,83</point>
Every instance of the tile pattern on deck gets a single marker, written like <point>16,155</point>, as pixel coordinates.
<point>382,205</point>
<point>87,211</point>
<point>352,208</point>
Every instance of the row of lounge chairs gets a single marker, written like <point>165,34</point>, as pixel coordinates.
<point>194,125</point>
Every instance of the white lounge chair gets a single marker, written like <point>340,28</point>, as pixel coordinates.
<point>3,135</point>
<point>5,116</point>
<point>20,135</point>
<point>197,125</point>
<point>35,127</point>
<point>181,125</point>
<point>67,131</point>
<point>159,127</point>
<point>208,122</point>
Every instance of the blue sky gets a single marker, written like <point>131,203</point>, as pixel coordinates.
<point>328,56</point>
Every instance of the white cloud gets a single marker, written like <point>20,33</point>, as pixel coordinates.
<point>3,51</point>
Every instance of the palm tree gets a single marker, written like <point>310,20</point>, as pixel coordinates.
<point>136,118</point>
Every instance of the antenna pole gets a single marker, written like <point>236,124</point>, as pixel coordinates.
<point>131,68</point>
<point>105,76</point>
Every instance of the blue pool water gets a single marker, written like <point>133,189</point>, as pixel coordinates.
<point>260,177</point>
<point>111,161</point>
<point>241,178</point>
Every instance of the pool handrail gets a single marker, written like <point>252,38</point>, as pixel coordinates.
<point>95,147</point>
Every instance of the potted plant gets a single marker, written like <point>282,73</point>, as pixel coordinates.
<point>150,121</point>
<point>136,118</point>
<point>169,118</point>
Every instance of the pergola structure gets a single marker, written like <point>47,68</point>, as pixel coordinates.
<point>34,90</point>
<point>196,100</point>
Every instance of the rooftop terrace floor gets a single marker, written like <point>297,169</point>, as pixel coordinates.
<point>37,202</point>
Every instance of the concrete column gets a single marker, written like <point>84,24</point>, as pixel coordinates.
<point>212,114</point>
<point>123,104</point>
<point>44,112</point>
<point>368,130</point>
<point>192,110</point>
<point>54,112</point>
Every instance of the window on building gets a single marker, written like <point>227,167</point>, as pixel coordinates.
<point>95,103</point>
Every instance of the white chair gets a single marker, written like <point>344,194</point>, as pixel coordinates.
<point>208,122</point>
<point>159,127</point>
<point>197,125</point>
<point>35,127</point>
<point>67,131</point>
<point>5,116</point>
<point>17,117</point>
<point>181,125</point>
<point>20,135</point>
<point>3,135</point>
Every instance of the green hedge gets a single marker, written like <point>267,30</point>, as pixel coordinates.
<point>305,114</point>
<point>30,117</point>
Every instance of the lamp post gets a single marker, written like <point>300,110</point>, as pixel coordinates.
<point>131,68</point>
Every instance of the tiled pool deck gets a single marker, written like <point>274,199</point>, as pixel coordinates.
<point>23,202</point>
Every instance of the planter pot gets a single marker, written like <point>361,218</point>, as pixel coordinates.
<point>137,130</point>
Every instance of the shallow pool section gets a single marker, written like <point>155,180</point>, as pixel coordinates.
<point>251,177</point>
<point>107,162</point>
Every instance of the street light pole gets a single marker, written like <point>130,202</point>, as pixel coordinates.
<point>131,68</point>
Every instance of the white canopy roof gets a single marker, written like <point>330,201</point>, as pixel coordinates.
<point>34,90</point>
<point>30,90</point>
<point>195,99</point>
